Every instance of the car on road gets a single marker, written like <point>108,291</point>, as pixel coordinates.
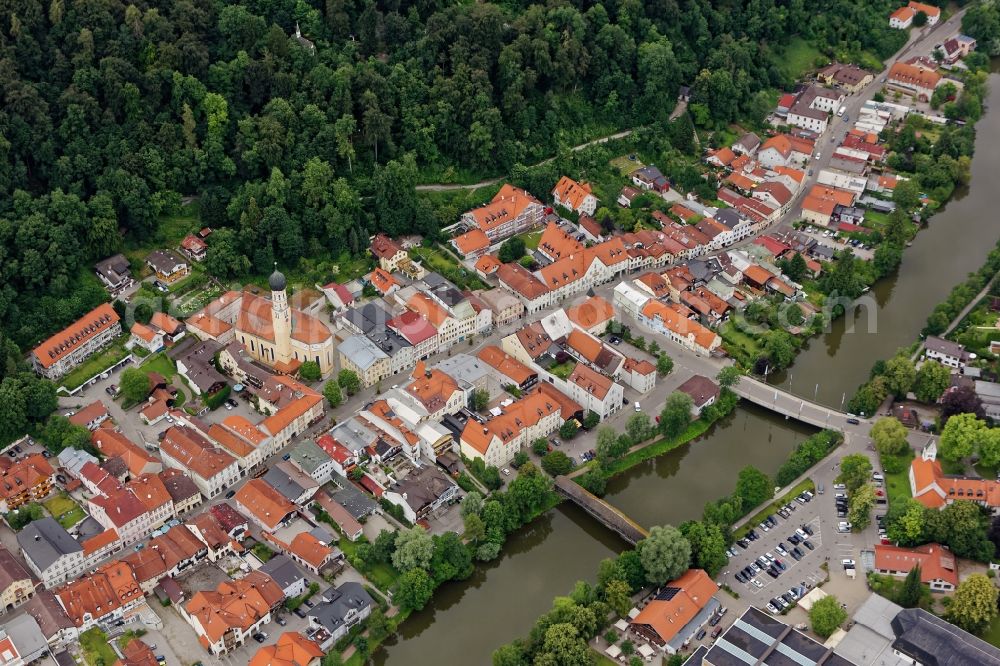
<point>111,390</point>
<point>848,564</point>
<point>819,488</point>
<point>281,621</point>
<point>260,637</point>
<point>287,456</point>
<point>853,421</point>
<point>877,476</point>
<point>638,407</point>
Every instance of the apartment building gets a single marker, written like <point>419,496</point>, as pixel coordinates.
<point>74,344</point>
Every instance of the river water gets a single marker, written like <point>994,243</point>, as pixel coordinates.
<point>954,243</point>
<point>466,621</point>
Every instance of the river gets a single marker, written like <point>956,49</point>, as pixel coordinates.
<point>954,243</point>
<point>466,621</point>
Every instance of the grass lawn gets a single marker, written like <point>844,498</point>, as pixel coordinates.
<point>897,484</point>
<point>170,230</point>
<point>875,220</point>
<point>64,510</point>
<point>626,166</point>
<point>738,343</point>
<point>96,650</point>
<point>531,239</point>
<point>97,363</point>
<point>992,633</point>
<point>162,364</point>
<point>382,575</point>
<point>440,261</point>
<point>797,58</point>
<point>756,519</point>
<point>658,447</point>
<point>563,370</point>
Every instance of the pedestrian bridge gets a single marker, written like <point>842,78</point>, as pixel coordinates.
<point>789,405</point>
<point>608,515</point>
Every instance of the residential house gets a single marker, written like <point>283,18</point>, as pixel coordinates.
<point>365,359</point>
<point>211,468</point>
<point>518,424</point>
<point>629,299</point>
<point>194,248</point>
<point>296,486</point>
<point>264,505</point>
<point>51,622</point>
<point>813,107</point>
<point>747,144</point>
<point>592,315</point>
<point>639,374</point>
<point>68,348</point>
<point>668,321</point>
<point>102,598</point>
<point>286,574</point>
<point>196,364</point>
<point>29,479</point>
<point>903,17</point>
<point>16,584</point>
<point>627,196</point>
<point>819,204</point>
<point>528,288</point>
<point>50,552</point>
<point>649,178</point>
<point>946,352</point>
<point>182,490</point>
<point>438,393</point>
<point>114,273</point>
<point>312,460</point>
<point>915,80</point>
<point>146,338</point>
<point>389,253</point>
<point>345,522</point>
<point>577,197</point>
<point>504,306</point>
<point>171,329</point>
<point>226,617</point>
<point>507,370</point>
<point>472,244</point>
<point>114,444</point>
<point>847,77</point>
<point>510,212</point>
<point>91,416</point>
<point>422,491</point>
<point>592,390</point>
<point>938,566</point>
<point>168,267</point>
<point>339,610</point>
<point>314,549</point>
<point>291,649</point>
<point>703,392</point>
<point>123,511</point>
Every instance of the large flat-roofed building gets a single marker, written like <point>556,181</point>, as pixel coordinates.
<point>74,344</point>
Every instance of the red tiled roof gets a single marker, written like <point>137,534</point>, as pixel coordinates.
<point>667,616</point>
<point>413,327</point>
<point>70,338</point>
<point>936,562</point>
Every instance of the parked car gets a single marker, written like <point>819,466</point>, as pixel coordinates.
<point>230,494</point>
<point>808,544</point>
<point>700,635</point>
<point>506,472</point>
<point>716,631</point>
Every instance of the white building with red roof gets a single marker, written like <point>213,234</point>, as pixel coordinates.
<point>510,212</point>
<point>938,565</point>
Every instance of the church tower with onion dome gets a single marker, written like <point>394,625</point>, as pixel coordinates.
<point>281,317</point>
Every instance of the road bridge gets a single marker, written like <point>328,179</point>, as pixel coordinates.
<point>790,405</point>
<point>606,514</point>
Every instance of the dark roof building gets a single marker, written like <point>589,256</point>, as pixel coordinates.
<point>341,608</point>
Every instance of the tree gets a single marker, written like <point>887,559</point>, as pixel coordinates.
<point>826,616</point>
<point>860,506</point>
<point>664,365</point>
<point>906,194</point>
<point>540,446</point>
<point>413,590</point>
<point>753,487</point>
<point>931,381</point>
<point>665,554</point>
<point>451,559</point>
<point>618,595</point>
<point>920,19</point>
<point>475,529</point>
<point>855,471</point>
<point>414,549</point>
<point>729,376</point>
<point>591,420</point>
<point>960,435</point>
<point>309,371</point>
<point>519,459</point>
<point>134,385</point>
<point>708,545</point>
<point>962,400</point>
<point>889,436</point>
<point>331,391</point>
<point>594,480</point>
<point>568,429</point>
<point>960,525</point>
<point>472,504</point>
<point>512,249</point>
<point>676,414</point>
<point>905,522</point>
<point>974,604</point>
<point>556,463</point>
<point>795,268</point>
<point>911,590</point>
<point>563,646</point>
<point>899,375</point>
<point>384,545</point>
<point>349,381</point>
<point>480,399</point>
<point>638,427</point>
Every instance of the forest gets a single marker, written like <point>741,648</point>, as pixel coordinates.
<point>112,113</point>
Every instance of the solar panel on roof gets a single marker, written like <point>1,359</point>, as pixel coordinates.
<point>667,593</point>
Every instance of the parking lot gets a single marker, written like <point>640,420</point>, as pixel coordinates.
<point>802,566</point>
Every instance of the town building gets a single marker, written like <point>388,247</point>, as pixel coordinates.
<point>946,352</point>
<point>50,552</point>
<point>212,469</point>
<point>286,574</point>
<point>938,566</point>
<point>903,17</point>
<point>930,486</point>
<point>167,266</point>
<point>364,358</point>
<point>577,197</point>
<point>677,610</point>
<point>91,416</point>
<point>915,80</point>
<point>422,491</point>
<point>389,253</point>
<point>291,649</point>
<point>339,610</point>
<point>592,390</point>
<point>114,273</point>
<point>510,212</point>
<point>71,346</point>
<point>26,480</point>
<point>703,392</point>
<point>520,423</point>
<point>226,617</point>
<point>102,598</point>
<point>16,584</point>
<point>264,505</point>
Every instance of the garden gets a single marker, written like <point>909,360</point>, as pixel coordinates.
<point>66,512</point>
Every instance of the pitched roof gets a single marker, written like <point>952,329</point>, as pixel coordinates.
<point>571,193</point>
<point>234,604</point>
<point>255,318</point>
<point>700,388</point>
<point>521,281</point>
<point>76,334</point>
<point>472,241</point>
<point>265,503</point>
<point>165,323</point>
<point>505,364</point>
<point>112,586</point>
<point>291,649</point>
<point>679,324</point>
<point>591,381</point>
<point>432,388</point>
<point>384,247</point>
<point>91,412</point>
<point>428,309</point>
<point>517,416</point>
<point>508,204</point>
<point>191,449</point>
<point>936,562</point>
<point>677,603</point>
<point>914,75</point>
<point>25,473</point>
<point>557,243</point>
<point>144,332</point>
<point>112,444</point>
<point>11,570</point>
<point>591,312</point>
<point>488,264</point>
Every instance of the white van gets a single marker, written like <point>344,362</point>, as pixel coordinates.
<point>638,407</point>
<point>841,111</point>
